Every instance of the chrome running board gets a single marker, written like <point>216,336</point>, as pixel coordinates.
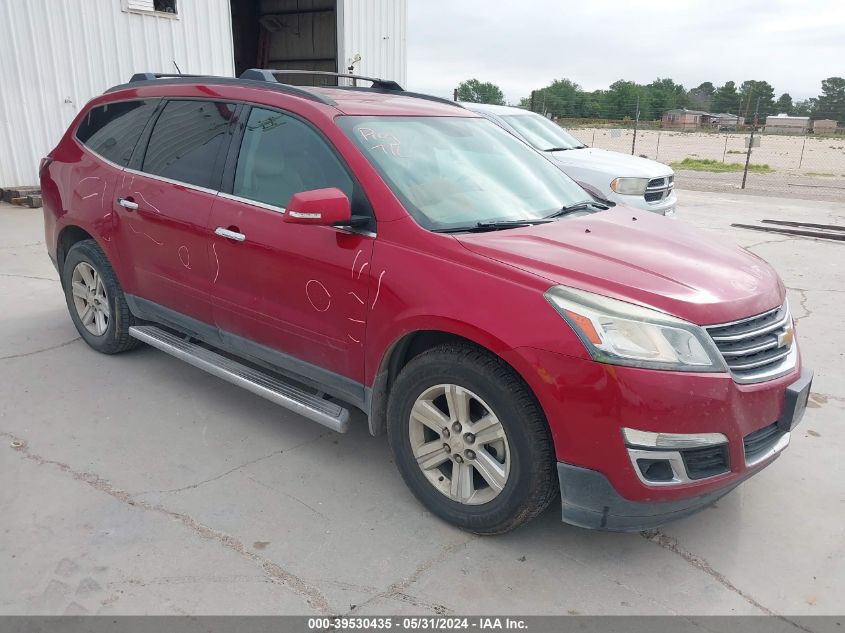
<point>256,381</point>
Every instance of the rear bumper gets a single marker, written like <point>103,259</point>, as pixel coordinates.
<point>589,501</point>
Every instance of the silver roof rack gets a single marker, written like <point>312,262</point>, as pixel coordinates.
<point>269,74</point>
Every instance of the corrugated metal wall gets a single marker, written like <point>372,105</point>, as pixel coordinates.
<point>55,55</point>
<point>377,30</point>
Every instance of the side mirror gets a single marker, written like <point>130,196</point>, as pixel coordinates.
<point>326,207</point>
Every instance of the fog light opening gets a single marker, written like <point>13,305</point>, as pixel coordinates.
<point>656,469</point>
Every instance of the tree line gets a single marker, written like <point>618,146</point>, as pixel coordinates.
<point>565,98</point>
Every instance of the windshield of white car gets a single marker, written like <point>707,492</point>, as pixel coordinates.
<point>456,172</point>
<point>541,133</point>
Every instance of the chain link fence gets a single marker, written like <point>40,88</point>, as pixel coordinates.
<point>803,166</point>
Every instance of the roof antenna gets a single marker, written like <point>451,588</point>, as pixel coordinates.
<point>177,67</point>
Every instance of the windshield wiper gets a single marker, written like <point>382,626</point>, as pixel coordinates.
<point>559,149</point>
<point>586,205</point>
<point>480,227</point>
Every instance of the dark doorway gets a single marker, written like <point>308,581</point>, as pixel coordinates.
<point>286,34</point>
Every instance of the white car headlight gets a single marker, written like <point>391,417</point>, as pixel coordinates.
<point>622,333</point>
<point>629,186</point>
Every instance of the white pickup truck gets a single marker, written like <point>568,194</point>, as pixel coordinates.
<point>620,178</point>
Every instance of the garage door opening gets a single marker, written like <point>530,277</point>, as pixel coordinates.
<point>287,34</point>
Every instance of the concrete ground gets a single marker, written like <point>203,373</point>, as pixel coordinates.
<point>137,484</point>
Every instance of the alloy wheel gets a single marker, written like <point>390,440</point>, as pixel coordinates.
<point>459,444</point>
<point>90,298</point>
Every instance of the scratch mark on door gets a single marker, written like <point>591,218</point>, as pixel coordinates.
<point>355,261</point>
<point>313,287</point>
<point>184,256</point>
<point>147,235</point>
<point>148,203</point>
<point>378,289</point>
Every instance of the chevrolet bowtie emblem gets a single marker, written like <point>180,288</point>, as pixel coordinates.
<point>786,337</point>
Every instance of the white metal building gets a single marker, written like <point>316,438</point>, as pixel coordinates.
<point>55,55</point>
<point>785,124</point>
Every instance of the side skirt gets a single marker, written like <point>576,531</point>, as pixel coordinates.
<point>316,377</point>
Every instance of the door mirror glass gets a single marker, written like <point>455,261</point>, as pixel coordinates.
<point>327,207</point>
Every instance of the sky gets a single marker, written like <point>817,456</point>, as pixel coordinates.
<point>522,45</point>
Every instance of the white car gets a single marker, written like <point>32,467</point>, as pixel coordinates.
<point>620,178</point>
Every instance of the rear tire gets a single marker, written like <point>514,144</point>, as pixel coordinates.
<point>95,300</point>
<point>471,440</point>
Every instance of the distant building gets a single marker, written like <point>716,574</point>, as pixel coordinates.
<point>785,124</point>
<point>824,126</point>
<point>683,119</point>
<point>726,119</point>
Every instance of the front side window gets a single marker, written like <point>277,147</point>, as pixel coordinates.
<point>280,156</point>
<point>453,172</point>
<point>112,130</point>
<point>186,140</point>
<point>543,134</point>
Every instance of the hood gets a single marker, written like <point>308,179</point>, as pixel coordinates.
<point>617,163</point>
<point>642,258</point>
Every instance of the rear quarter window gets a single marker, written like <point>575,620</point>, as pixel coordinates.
<point>186,140</point>
<point>113,129</point>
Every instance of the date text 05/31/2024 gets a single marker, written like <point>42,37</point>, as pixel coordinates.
<point>433,623</point>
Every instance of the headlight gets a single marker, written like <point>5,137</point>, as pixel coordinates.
<point>622,333</point>
<point>629,186</point>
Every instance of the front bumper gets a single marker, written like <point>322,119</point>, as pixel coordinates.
<point>667,206</point>
<point>589,500</point>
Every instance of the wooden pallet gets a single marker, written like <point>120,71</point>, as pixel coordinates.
<point>23,196</point>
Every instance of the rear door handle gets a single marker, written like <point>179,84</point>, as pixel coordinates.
<point>127,203</point>
<point>229,235</point>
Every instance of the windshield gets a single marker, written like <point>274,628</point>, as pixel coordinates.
<point>543,134</point>
<point>452,172</point>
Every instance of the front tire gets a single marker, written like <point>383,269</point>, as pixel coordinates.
<point>470,439</point>
<point>95,300</point>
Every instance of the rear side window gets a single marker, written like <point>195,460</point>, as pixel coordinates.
<point>280,156</point>
<point>186,140</point>
<point>112,130</point>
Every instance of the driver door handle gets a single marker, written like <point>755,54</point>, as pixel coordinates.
<point>127,203</point>
<point>229,235</point>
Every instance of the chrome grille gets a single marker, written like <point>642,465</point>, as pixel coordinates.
<point>659,188</point>
<point>757,348</point>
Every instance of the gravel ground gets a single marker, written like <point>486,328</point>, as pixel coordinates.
<point>776,185</point>
<point>805,167</point>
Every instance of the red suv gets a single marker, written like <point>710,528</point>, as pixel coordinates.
<point>338,247</point>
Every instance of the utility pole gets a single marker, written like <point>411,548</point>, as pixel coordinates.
<point>750,143</point>
<point>636,125</point>
<point>455,95</point>
<point>748,103</point>
<point>531,105</point>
